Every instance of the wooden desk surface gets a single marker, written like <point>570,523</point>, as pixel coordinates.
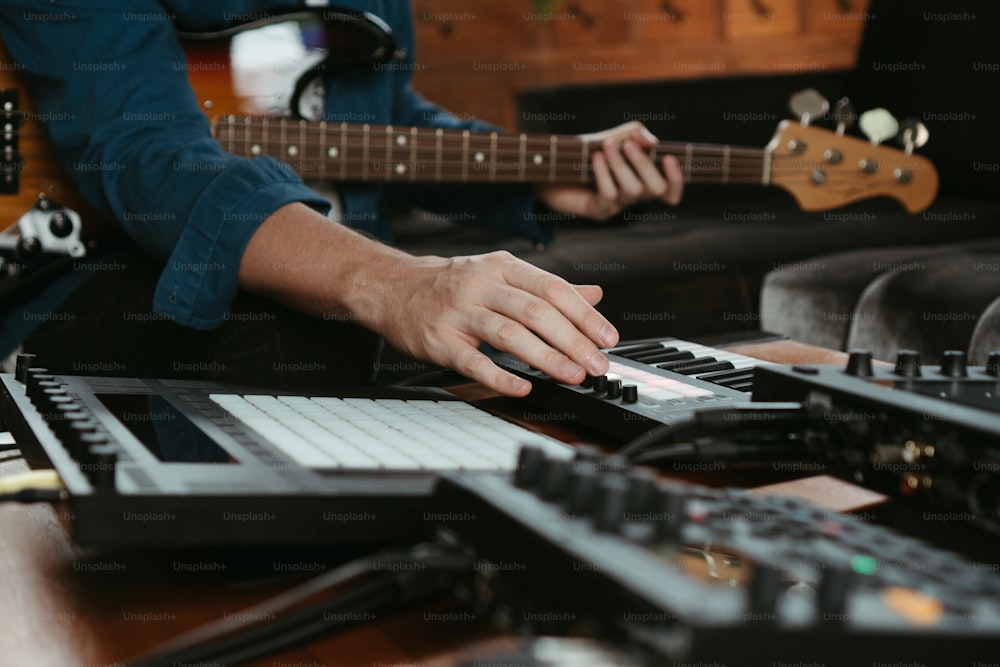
<point>63,606</point>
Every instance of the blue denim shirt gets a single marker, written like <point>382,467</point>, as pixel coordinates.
<point>129,130</point>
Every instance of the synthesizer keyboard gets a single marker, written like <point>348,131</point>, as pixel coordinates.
<point>650,382</point>
<point>183,463</point>
<point>685,574</point>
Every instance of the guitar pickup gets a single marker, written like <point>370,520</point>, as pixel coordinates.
<point>11,162</point>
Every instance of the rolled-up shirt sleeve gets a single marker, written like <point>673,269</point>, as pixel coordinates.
<point>110,82</point>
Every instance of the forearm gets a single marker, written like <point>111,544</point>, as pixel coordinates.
<point>433,308</point>
<point>299,257</point>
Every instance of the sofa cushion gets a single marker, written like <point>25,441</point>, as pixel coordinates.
<point>923,298</point>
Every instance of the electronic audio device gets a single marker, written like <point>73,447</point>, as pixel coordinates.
<point>179,463</point>
<point>708,576</point>
<point>650,382</point>
<point>928,433</point>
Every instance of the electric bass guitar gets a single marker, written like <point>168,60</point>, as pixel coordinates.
<point>261,85</point>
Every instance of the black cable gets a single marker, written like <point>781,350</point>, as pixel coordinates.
<point>376,595</point>
<point>236,648</point>
<point>243,641</point>
<point>775,417</point>
<point>720,450</point>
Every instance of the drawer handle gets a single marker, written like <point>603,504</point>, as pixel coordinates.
<point>588,20</point>
<point>763,11</point>
<point>673,12</point>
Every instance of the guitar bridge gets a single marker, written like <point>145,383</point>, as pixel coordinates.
<point>46,232</point>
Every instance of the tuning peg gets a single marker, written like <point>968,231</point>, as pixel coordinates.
<point>843,114</point>
<point>913,134</point>
<point>878,125</point>
<point>808,104</point>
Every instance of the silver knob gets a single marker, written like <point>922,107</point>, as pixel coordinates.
<point>878,125</point>
<point>808,104</point>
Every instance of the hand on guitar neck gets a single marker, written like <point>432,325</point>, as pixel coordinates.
<point>623,173</point>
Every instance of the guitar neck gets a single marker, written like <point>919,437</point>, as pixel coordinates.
<point>354,152</point>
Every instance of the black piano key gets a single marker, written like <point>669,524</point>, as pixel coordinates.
<point>721,376</point>
<point>653,358</point>
<point>733,382</point>
<point>742,386</point>
<point>688,361</point>
<point>638,349</point>
<point>663,354</point>
<point>697,369</point>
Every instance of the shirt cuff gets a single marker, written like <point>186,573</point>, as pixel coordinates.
<point>201,278</point>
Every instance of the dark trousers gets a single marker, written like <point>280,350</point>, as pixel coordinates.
<point>107,328</point>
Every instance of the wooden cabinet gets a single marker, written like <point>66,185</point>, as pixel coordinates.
<point>475,56</point>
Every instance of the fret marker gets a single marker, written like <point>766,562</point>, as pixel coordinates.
<point>479,157</point>
<point>401,140</point>
<point>255,149</point>
<point>400,168</point>
<point>293,151</point>
<point>334,152</point>
<point>538,159</point>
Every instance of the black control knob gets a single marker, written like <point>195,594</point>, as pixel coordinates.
<point>612,503</point>
<point>63,417</point>
<point>38,392</point>
<point>581,492</point>
<point>859,363</point>
<point>993,363</point>
<point>630,394</point>
<point>669,510</point>
<point>642,491</point>
<point>953,364</point>
<point>600,384</point>
<point>530,462</point>
<point>907,364</point>
<point>55,403</point>
<point>831,594</point>
<point>588,382</point>
<point>85,443</point>
<point>36,375</point>
<point>555,478</point>
<point>614,388</point>
<point>763,593</point>
<point>79,435</point>
<point>102,459</point>
<point>588,453</point>
<point>24,362</point>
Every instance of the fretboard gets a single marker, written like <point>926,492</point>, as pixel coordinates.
<point>355,152</point>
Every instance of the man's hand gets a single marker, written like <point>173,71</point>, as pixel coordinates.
<point>433,308</point>
<point>444,309</point>
<point>623,175</point>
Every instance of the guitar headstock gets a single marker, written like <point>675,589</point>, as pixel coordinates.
<point>824,169</point>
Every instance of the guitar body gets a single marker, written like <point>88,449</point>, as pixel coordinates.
<point>260,68</point>
<point>39,172</point>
